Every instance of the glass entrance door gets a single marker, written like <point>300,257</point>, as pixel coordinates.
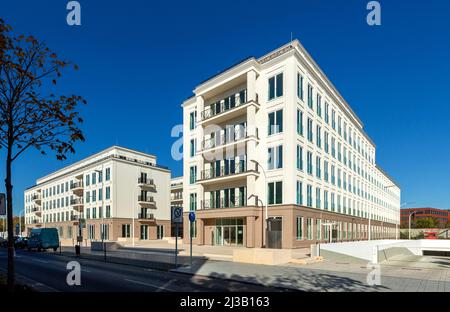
<point>229,232</point>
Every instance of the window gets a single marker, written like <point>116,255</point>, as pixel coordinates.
<point>318,203</point>
<point>192,120</point>
<point>300,228</point>
<point>309,233</point>
<point>193,202</point>
<point>192,174</point>
<point>333,147</point>
<point>333,119</point>
<point>91,231</point>
<point>94,213</point>
<point>333,206</point>
<point>275,159</point>
<point>299,122</point>
<point>319,105</point>
<point>108,193</point>
<point>88,213</point>
<point>276,86</point>
<point>325,170</point>
<point>108,174</point>
<point>100,194</point>
<point>318,172</point>
<point>333,179</point>
<point>87,180</point>
<point>310,130</point>
<point>94,177</point>
<point>94,195</point>
<point>300,86</point>
<point>299,193</point>
<point>327,107</point>
<point>193,148</point>
<point>108,211</point>
<point>325,200</point>
<point>310,96</point>
<point>275,122</point>
<point>318,136</point>
<point>100,176</point>
<point>88,196</point>
<point>299,157</point>
<point>275,193</point>
<point>126,230</point>
<point>339,125</point>
<point>326,142</point>
<point>309,195</point>
<point>309,163</point>
<point>318,229</point>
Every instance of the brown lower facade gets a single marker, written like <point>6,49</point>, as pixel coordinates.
<point>116,229</point>
<point>297,226</point>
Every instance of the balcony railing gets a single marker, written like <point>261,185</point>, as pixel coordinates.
<point>145,199</point>
<point>74,218</point>
<point>146,216</point>
<point>34,209</point>
<point>233,202</point>
<point>76,201</point>
<point>145,181</point>
<point>223,171</point>
<point>75,185</point>
<point>225,105</point>
<point>35,197</point>
<point>224,139</point>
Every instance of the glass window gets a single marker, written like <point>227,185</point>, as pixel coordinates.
<point>275,193</point>
<point>300,86</point>
<point>299,122</point>
<point>275,86</point>
<point>108,174</point>
<point>299,157</point>
<point>300,228</point>
<point>108,192</point>
<point>299,193</point>
<point>275,122</point>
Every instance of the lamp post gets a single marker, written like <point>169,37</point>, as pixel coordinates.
<point>267,199</point>
<point>100,174</point>
<point>409,223</point>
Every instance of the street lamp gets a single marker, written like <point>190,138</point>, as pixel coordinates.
<point>267,199</point>
<point>409,222</point>
<point>100,174</point>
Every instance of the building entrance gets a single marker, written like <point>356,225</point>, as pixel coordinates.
<point>229,232</point>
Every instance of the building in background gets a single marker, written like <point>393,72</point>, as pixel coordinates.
<point>176,200</point>
<point>441,215</point>
<point>274,130</point>
<point>117,188</point>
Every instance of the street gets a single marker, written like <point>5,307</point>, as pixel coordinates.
<point>47,271</point>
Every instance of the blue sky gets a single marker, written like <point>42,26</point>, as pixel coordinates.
<point>140,59</point>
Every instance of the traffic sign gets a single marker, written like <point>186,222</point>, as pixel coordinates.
<point>177,214</point>
<point>192,216</point>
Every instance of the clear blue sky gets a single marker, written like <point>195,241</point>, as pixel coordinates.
<point>140,59</point>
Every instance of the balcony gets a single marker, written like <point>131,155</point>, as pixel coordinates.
<point>229,107</point>
<point>146,184</point>
<point>36,210</point>
<point>226,139</point>
<point>36,198</point>
<point>233,202</point>
<point>225,173</point>
<point>146,201</point>
<point>77,188</point>
<point>77,203</point>
<point>146,216</point>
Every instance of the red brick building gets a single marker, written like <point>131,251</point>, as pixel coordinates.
<point>443,216</point>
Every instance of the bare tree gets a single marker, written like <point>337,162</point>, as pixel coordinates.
<point>31,116</point>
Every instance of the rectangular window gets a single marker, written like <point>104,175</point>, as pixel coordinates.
<point>100,176</point>
<point>275,86</point>
<point>94,177</point>
<point>319,105</point>
<point>126,230</point>
<point>333,179</point>
<point>300,228</point>
<point>325,200</point>
<point>94,195</point>
<point>318,167</point>
<point>300,86</point>
<point>299,194</point>
<point>108,174</point>
<point>299,157</point>
<point>192,201</point>
<point>309,230</point>
<point>108,193</point>
<point>309,195</point>
<point>333,119</point>
<point>192,120</point>
<point>192,148</point>
<point>275,122</point>
<point>319,136</point>
<point>325,170</point>
<point>327,107</point>
<point>309,163</point>
<point>318,229</point>
<point>310,96</point>
<point>88,196</point>
<point>87,180</point>
<point>193,174</point>
<point>100,194</point>
<point>108,211</point>
<point>326,142</point>
<point>275,193</point>
<point>275,157</point>
<point>94,213</point>
<point>310,130</point>
<point>299,122</point>
<point>318,202</point>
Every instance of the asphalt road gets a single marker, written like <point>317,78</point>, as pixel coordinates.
<point>48,272</point>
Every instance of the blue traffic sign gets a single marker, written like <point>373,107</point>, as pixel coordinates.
<point>192,216</point>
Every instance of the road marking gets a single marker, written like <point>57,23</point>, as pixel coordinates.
<point>147,284</point>
<point>39,260</point>
<point>165,286</point>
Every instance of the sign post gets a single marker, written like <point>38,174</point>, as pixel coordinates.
<point>177,218</point>
<point>192,220</point>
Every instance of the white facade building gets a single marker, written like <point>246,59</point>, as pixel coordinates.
<point>117,187</point>
<point>276,128</point>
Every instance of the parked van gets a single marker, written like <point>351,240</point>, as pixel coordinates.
<point>43,238</point>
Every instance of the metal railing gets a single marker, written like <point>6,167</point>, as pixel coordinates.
<point>223,171</point>
<point>146,216</point>
<point>146,181</point>
<point>233,202</point>
<point>35,197</point>
<point>225,105</point>
<point>76,201</point>
<point>146,199</point>
<point>224,139</point>
<point>74,185</point>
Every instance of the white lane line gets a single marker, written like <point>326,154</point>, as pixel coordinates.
<point>165,286</point>
<point>150,285</point>
<point>39,260</point>
<point>87,271</point>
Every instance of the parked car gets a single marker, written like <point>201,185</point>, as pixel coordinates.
<point>20,242</point>
<point>43,238</point>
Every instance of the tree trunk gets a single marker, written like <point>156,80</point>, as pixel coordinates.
<point>9,211</point>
